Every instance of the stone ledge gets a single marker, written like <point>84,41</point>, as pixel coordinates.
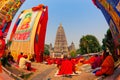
<point>11,74</point>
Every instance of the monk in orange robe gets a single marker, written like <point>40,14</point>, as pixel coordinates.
<point>91,60</point>
<point>66,67</point>
<point>107,67</point>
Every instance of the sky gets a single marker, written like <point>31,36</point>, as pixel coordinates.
<point>78,18</point>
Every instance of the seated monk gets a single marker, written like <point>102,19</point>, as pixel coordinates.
<point>24,63</point>
<point>91,60</point>
<point>66,67</point>
<point>97,62</point>
<point>107,67</point>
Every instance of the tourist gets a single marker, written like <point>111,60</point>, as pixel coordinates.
<point>66,68</point>
<point>24,63</point>
<point>107,67</point>
<point>19,56</point>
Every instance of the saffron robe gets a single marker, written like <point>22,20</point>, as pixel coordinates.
<point>66,68</point>
<point>107,66</point>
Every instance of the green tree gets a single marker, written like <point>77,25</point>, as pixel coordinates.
<point>108,42</point>
<point>78,51</point>
<point>72,54</point>
<point>46,50</point>
<point>89,44</point>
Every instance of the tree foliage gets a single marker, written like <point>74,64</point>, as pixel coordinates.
<point>72,54</point>
<point>89,44</point>
<point>108,42</point>
<point>46,49</point>
<point>78,51</point>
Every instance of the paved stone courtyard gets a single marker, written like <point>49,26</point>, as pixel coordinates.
<point>47,72</point>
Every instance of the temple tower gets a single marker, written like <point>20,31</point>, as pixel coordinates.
<point>72,47</point>
<point>60,46</point>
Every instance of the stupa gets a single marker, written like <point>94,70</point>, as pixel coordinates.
<point>60,46</point>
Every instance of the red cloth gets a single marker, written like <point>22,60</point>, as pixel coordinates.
<point>66,67</point>
<point>50,61</point>
<point>2,45</point>
<point>1,34</point>
<point>28,66</point>
<point>58,62</point>
<point>97,62</point>
<point>74,61</point>
<point>41,33</point>
<point>91,60</point>
<point>107,67</point>
<point>0,68</point>
<point>39,7</point>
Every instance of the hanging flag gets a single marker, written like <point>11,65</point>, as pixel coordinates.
<point>111,12</point>
<point>8,9</point>
<point>29,32</point>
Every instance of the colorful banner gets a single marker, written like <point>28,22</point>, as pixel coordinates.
<point>28,34</point>
<point>25,26</point>
<point>111,12</point>
<point>8,9</point>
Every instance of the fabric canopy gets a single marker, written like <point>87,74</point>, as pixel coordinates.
<point>28,34</point>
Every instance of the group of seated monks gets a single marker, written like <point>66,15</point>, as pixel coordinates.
<point>22,61</point>
<point>68,66</point>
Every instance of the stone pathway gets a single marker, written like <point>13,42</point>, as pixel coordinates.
<point>43,75</point>
<point>47,72</point>
<point>5,76</point>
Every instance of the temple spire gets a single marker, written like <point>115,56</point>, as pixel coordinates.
<point>60,46</point>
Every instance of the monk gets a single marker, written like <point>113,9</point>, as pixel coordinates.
<point>66,67</point>
<point>19,56</point>
<point>24,63</point>
<point>97,62</point>
<point>107,67</point>
<point>91,60</point>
